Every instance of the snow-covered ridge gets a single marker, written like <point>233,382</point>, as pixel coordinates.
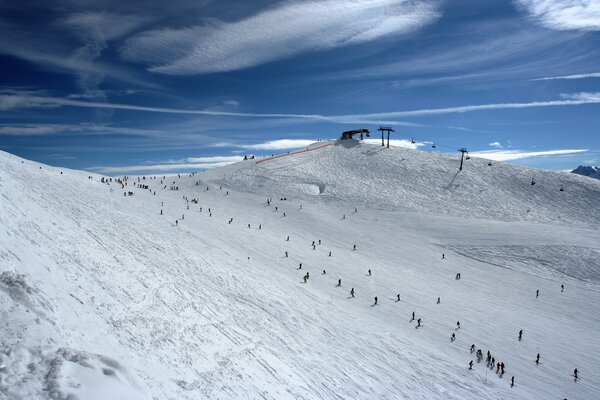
<point>411,180</point>
<point>105,295</point>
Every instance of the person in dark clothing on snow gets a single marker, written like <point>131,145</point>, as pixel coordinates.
<point>419,322</point>
<point>457,324</point>
<point>375,300</point>
<point>512,381</point>
<point>369,272</point>
<point>339,282</point>
<point>453,337</point>
<point>352,292</point>
<point>413,316</point>
<point>537,359</point>
<point>471,364</point>
<point>520,334</point>
<point>398,297</point>
<point>537,293</point>
<point>323,272</point>
<point>576,373</point>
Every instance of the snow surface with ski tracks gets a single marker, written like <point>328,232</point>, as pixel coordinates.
<point>102,297</point>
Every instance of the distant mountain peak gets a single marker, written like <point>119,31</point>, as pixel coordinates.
<point>587,170</point>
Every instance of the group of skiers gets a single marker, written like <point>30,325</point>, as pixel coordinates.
<point>491,361</point>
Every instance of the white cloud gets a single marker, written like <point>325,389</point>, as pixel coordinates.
<point>581,15</point>
<point>232,103</point>
<point>508,155</point>
<point>576,76</point>
<point>81,129</point>
<point>160,167</point>
<point>407,144</point>
<point>279,32</point>
<point>496,144</point>
<point>15,101</point>
<point>213,159</point>
<point>280,144</point>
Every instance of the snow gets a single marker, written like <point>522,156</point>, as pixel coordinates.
<point>102,297</point>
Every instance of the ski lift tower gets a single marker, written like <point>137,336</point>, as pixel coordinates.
<point>462,156</point>
<point>387,129</point>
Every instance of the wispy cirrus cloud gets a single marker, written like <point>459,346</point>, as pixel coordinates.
<point>581,15</point>
<point>510,155</point>
<point>75,129</point>
<point>496,144</point>
<point>14,101</point>
<point>276,33</point>
<point>570,77</point>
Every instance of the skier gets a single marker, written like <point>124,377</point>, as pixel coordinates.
<point>286,254</point>
<point>375,300</point>
<point>352,292</point>
<point>453,337</point>
<point>537,359</point>
<point>259,226</point>
<point>576,373</point>
<point>284,214</point>
<point>502,367</point>
<point>354,247</point>
<point>398,297</point>
<point>419,322</point>
<point>471,364</point>
<point>498,368</point>
<point>288,239</point>
<point>413,316</point>
<point>369,272</point>
<point>439,300</point>
<point>300,266</point>
<point>520,334</point>
<point>319,242</point>
<point>248,226</point>
<point>472,348</point>
<point>457,324</point>
<point>305,278</point>
<point>329,254</point>
<point>313,243</point>
<point>344,216</point>
<point>512,381</point>
<point>339,282</point>
<point>160,212</point>
<point>562,288</point>
<point>537,293</point>
<point>443,256</point>
<point>323,272</point>
<point>176,223</point>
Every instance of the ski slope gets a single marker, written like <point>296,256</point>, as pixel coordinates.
<point>101,296</point>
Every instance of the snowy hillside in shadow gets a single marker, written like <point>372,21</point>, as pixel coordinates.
<point>198,293</point>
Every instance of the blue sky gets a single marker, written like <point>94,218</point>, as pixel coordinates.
<point>140,87</point>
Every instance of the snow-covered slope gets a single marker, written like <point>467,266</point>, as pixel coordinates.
<point>101,296</point>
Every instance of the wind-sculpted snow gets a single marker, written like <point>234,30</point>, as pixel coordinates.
<point>189,294</point>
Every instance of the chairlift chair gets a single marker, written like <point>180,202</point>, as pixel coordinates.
<point>433,146</point>
<point>489,163</point>
<point>412,141</point>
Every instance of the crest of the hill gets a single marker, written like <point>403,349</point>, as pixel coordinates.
<point>368,175</point>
